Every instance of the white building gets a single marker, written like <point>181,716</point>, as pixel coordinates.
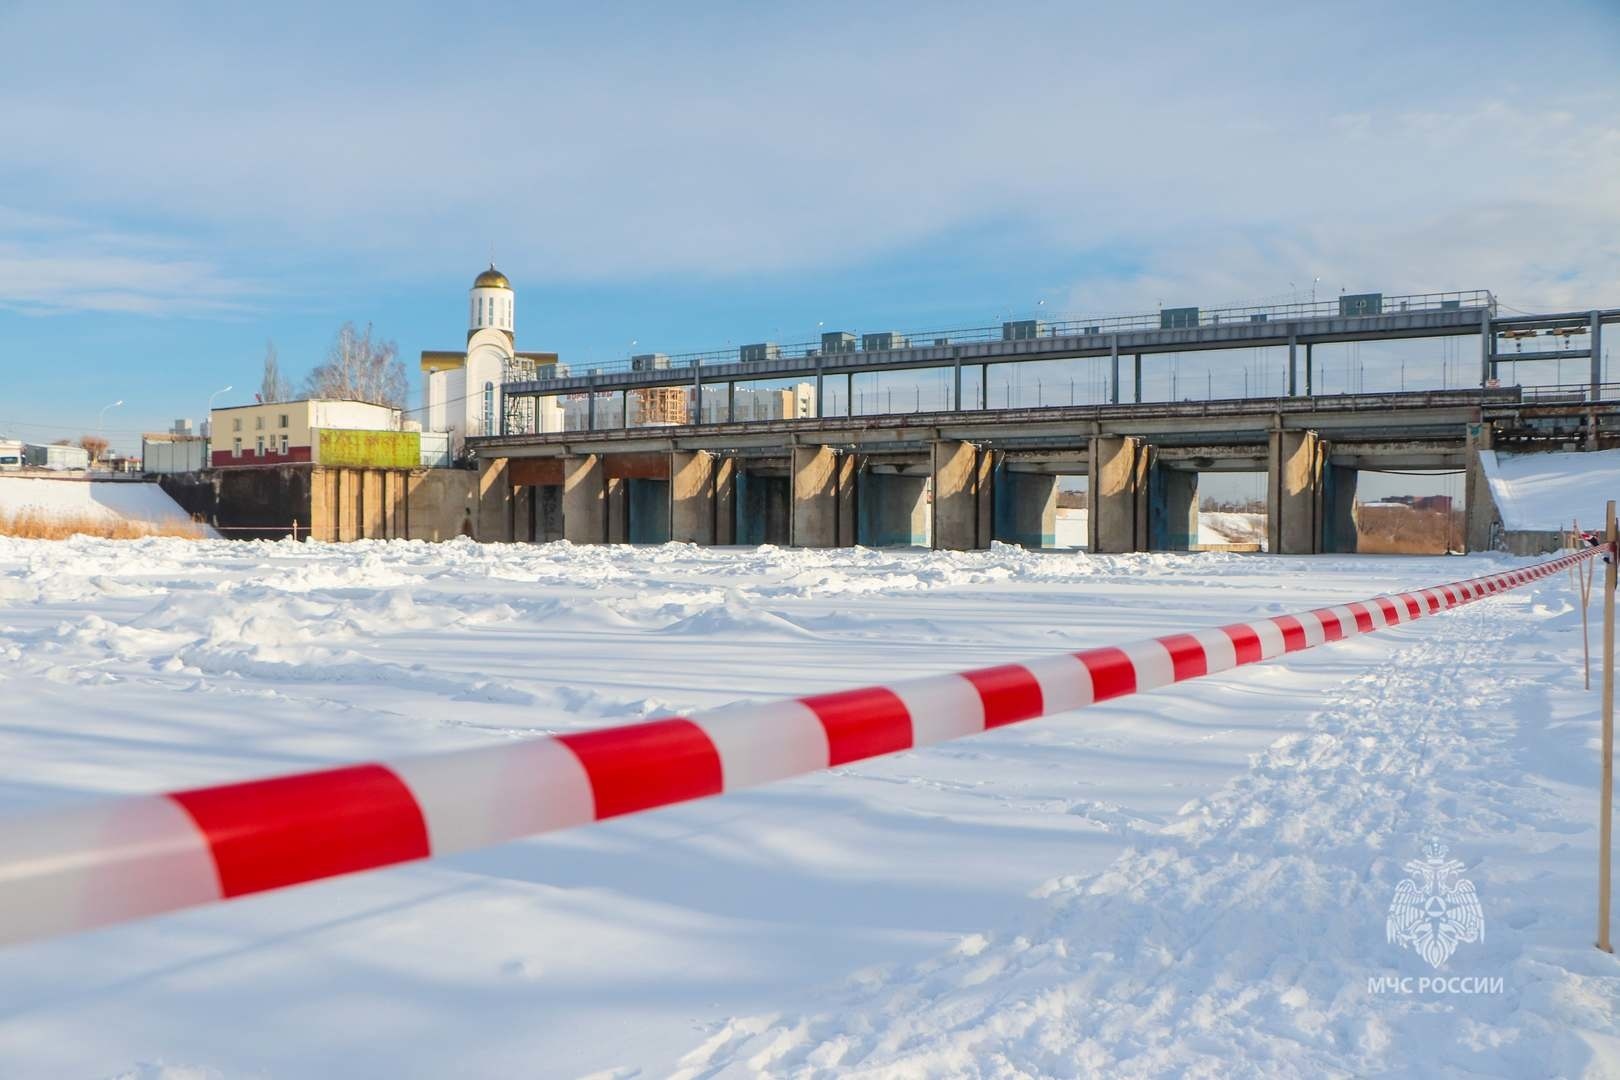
<point>462,390</point>
<point>178,450</point>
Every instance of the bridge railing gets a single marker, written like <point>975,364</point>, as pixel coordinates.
<point>1558,393</point>
<point>1179,318</point>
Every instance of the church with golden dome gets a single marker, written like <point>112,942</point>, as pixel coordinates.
<point>462,388</point>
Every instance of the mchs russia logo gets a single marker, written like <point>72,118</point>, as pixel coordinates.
<point>1435,909</point>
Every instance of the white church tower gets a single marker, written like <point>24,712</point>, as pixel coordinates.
<point>463,389</point>
<point>489,305</point>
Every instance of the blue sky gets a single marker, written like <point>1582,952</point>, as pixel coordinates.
<point>180,184</point>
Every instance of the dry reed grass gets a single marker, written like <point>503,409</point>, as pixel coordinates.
<point>36,525</point>
<point>1388,530</point>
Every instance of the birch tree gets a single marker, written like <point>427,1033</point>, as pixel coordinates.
<point>360,367</point>
<point>273,386</point>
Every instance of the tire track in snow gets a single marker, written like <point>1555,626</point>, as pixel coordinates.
<point>1242,935</point>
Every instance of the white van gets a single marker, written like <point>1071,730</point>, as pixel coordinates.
<point>11,454</point>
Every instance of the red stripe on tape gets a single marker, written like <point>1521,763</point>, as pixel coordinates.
<point>1293,632</point>
<point>1413,609</point>
<point>1010,693</point>
<point>1245,642</point>
<point>1332,628</point>
<point>862,723</point>
<point>1364,620</point>
<point>640,766</point>
<point>1187,654</point>
<point>1112,672</point>
<point>266,834</point>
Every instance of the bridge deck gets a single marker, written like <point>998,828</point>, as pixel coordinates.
<point>1429,415</point>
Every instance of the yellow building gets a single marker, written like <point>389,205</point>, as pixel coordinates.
<point>312,431</point>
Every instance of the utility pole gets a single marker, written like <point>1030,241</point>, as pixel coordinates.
<point>1606,800</point>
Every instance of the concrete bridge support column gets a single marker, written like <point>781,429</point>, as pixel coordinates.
<point>691,496</point>
<point>848,498</point>
<point>1026,508</point>
<point>963,505</point>
<point>343,494</point>
<point>725,500</point>
<point>616,496</point>
<point>1172,509</point>
<point>1294,489</point>
<point>813,521</point>
<point>1117,482</point>
<point>1479,530</point>
<point>584,500</point>
<point>494,523</point>
<point>893,509</point>
<point>523,514</point>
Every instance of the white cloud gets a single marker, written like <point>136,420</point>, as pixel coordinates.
<point>1221,157</point>
<point>51,265</point>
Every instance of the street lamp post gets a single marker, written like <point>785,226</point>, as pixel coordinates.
<point>101,419</point>
<point>211,397</point>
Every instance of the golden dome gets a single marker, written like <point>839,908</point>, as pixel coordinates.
<point>491,279</point>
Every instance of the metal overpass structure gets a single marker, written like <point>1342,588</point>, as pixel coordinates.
<point>1122,339</point>
<point>964,476</point>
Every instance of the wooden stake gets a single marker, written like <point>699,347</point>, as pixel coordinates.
<point>1583,587</point>
<point>1606,801</point>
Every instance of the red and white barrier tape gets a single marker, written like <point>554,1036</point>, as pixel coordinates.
<point>127,858</point>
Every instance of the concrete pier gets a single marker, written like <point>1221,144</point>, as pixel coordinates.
<point>963,503</point>
<point>1297,468</point>
<point>1118,481</point>
<point>1481,505</point>
<point>692,496</point>
<point>814,518</point>
<point>616,495</point>
<point>848,498</point>
<point>584,500</point>
<point>725,500</point>
<point>494,500</point>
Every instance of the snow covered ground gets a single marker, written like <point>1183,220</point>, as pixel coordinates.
<point>1071,527</point>
<point>1223,527</point>
<point>1214,527</point>
<point>1193,881</point>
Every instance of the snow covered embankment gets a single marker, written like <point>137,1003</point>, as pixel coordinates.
<point>92,503</point>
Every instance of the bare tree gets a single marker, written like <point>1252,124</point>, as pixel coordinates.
<point>273,386</point>
<point>361,368</point>
<point>95,444</point>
